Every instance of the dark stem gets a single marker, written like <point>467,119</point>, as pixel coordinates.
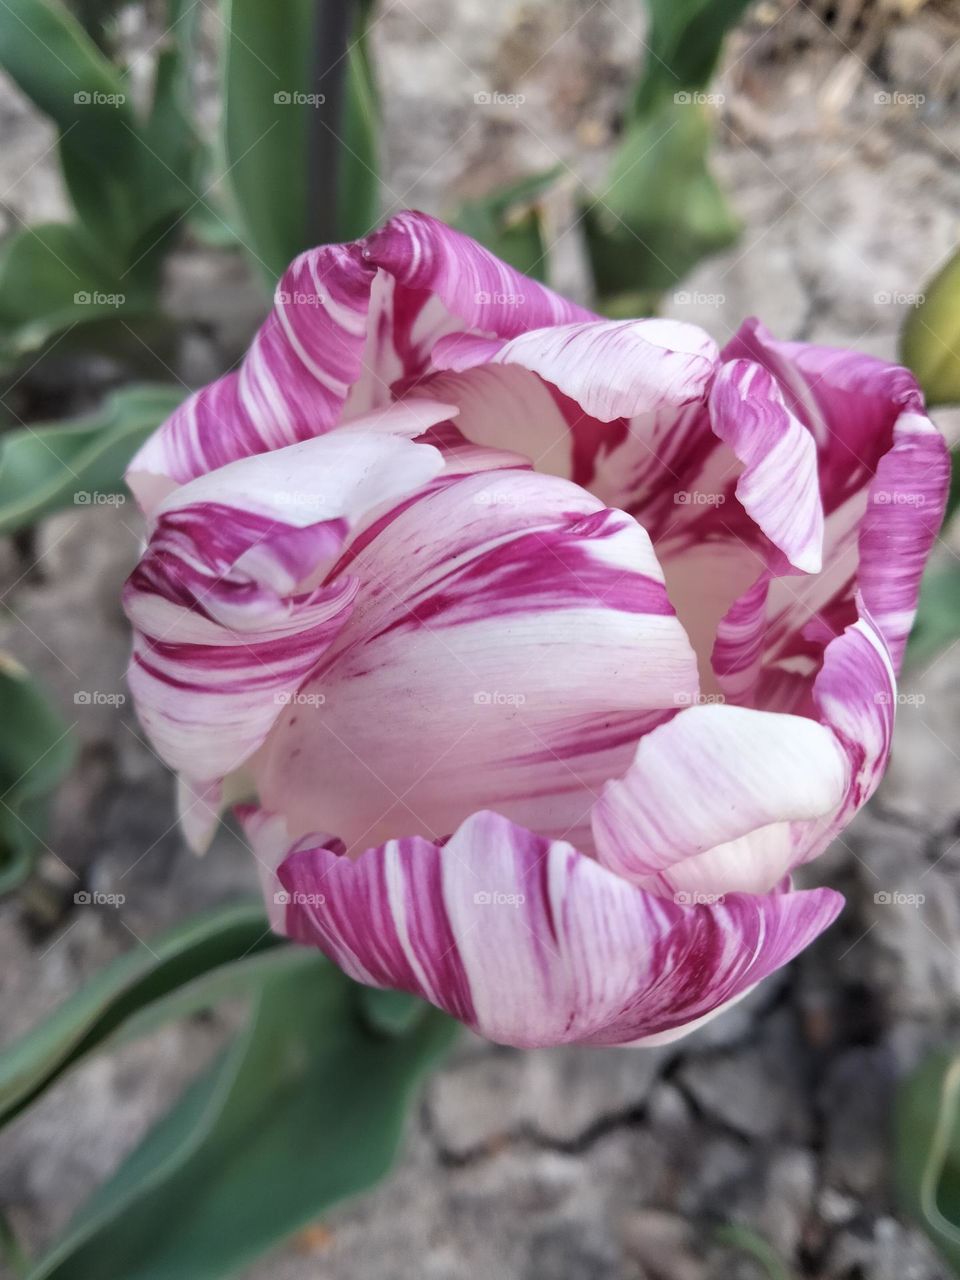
<point>332,30</point>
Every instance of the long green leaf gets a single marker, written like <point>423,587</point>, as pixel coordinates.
<point>927,1156</point>
<point>306,1108</point>
<point>36,750</point>
<point>270,122</point>
<point>123,992</point>
<point>59,464</point>
<point>683,46</point>
<point>53,60</point>
<point>660,210</point>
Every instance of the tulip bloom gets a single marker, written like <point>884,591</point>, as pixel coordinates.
<point>541,647</point>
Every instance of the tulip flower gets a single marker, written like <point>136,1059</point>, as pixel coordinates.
<point>537,649</point>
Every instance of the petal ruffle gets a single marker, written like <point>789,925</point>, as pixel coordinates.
<point>531,943</point>
<point>227,604</point>
<point>351,324</point>
<point>713,775</point>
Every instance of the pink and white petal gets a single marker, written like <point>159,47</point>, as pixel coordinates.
<point>531,943</point>
<point>611,368</point>
<point>849,401</point>
<point>778,486</point>
<point>737,656</point>
<point>521,637</point>
<point>345,474</point>
<point>351,324</point>
<point>905,511</point>
<point>855,694</point>
<point>711,775</point>
<point>207,706</point>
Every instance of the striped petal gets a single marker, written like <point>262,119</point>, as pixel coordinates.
<point>530,942</point>
<point>611,368</point>
<point>884,471</point>
<point>778,486</point>
<point>229,611</point>
<point>517,637</point>
<point>352,326</point>
<point>711,776</point>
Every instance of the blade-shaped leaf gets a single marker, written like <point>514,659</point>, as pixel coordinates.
<point>683,46</point>
<point>51,465</point>
<point>306,1108</point>
<point>660,210</point>
<point>272,121</point>
<point>930,344</point>
<point>937,625</point>
<point>126,991</point>
<point>51,278</point>
<point>35,752</point>
<point>928,1150</point>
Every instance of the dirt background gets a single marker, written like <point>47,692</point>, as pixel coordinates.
<point>838,139</point>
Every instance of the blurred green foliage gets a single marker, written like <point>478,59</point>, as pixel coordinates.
<point>927,1150</point>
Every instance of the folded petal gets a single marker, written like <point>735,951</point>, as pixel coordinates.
<point>884,472</point>
<point>611,368</point>
<point>778,486</point>
<point>532,943</point>
<point>229,609</point>
<point>517,636</point>
<point>710,776</point>
<point>351,326</point>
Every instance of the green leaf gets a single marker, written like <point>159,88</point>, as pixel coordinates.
<point>305,1108</point>
<point>930,343</point>
<point>52,279</point>
<point>35,752</point>
<point>53,60</point>
<point>133,994</point>
<point>661,210</point>
<point>358,182</point>
<point>927,1153</point>
<point>510,222</point>
<point>52,465</point>
<point>270,128</point>
<point>267,60</point>
<point>683,46</point>
<point>937,625</point>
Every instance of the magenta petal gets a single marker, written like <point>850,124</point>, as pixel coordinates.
<point>531,943</point>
